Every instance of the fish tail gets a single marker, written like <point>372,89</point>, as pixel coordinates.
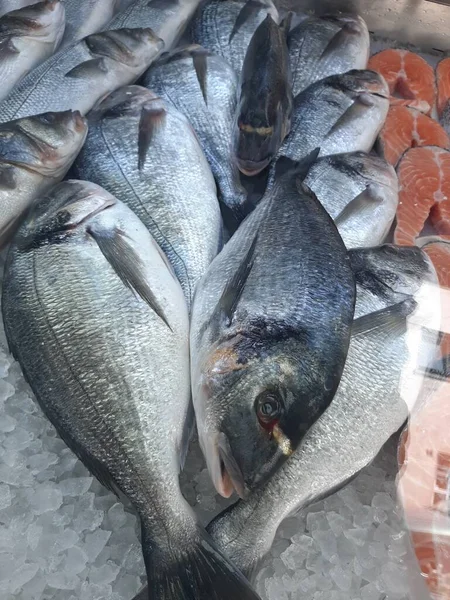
<point>191,569</point>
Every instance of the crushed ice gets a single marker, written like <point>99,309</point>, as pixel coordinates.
<point>64,537</point>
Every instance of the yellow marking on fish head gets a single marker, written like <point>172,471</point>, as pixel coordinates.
<point>262,131</point>
<point>282,440</point>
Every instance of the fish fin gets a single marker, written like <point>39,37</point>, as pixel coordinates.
<point>388,320</point>
<point>199,59</point>
<point>163,4</point>
<point>88,69</point>
<point>152,118</point>
<point>233,289</point>
<point>127,264</point>
<point>336,41</point>
<point>188,430</point>
<point>301,167</point>
<point>285,24</point>
<point>363,200</point>
<point>244,15</point>
<point>191,569</point>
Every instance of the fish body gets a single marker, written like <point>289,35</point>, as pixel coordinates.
<point>265,100</point>
<point>28,37</point>
<point>145,152</point>
<point>167,18</point>
<point>396,293</point>
<point>443,93</point>
<point>360,193</point>
<point>78,76</point>
<point>203,87</point>
<point>269,333</point>
<point>100,327</point>
<point>341,113</point>
<point>327,45</point>
<point>424,183</point>
<point>226,27</point>
<point>406,128</point>
<point>407,74</point>
<point>35,154</point>
<point>86,17</point>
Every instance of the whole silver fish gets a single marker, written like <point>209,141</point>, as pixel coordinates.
<point>342,113</point>
<point>360,193</point>
<point>86,17</point>
<point>270,329</point>
<point>145,152</point>
<point>263,117</point>
<point>28,37</point>
<point>35,154</point>
<point>78,76</point>
<point>226,27</point>
<point>203,87</point>
<point>167,18</point>
<point>327,45</point>
<point>100,327</point>
<point>396,295</point>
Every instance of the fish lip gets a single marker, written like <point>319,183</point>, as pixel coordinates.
<point>230,466</point>
<point>252,168</point>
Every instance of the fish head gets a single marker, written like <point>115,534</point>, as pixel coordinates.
<point>43,22</point>
<point>61,212</point>
<point>253,408</point>
<point>135,48</point>
<point>374,169</point>
<point>259,134</point>
<point>352,24</point>
<point>46,144</point>
<point>369,87</point>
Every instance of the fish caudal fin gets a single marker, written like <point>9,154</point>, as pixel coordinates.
<point>194,570</point>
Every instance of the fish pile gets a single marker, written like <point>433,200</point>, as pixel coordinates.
<point>150,289</point>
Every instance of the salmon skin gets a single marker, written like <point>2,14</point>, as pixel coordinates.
<point>424,455</point>
<point>408,75</point>
<point>443,93</point>
<point>424,192</point>
<point>407,128</point>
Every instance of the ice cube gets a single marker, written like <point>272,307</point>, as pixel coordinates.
<point>46,498</point>
<point>76,486</point>
<point>342,577</point>
<point>274,589</point>
<point>302,541</point>
<point>383,534</point>
<point>34,535</point>
<point>363,517</point>
<point>378,550</point>
<point>95,542</point>
<point>357,536</point>
<point>293,557</point>
<point>384,501</point>
<point>394,577</point>
<point>23,575</point>
<point>338,523</point>
<point>75,561</point>
<point>316,520</point>
<point>315,563</point>
<point>107,573</point>
<point>88,520</point>
<point>326,540</point>
<point>7,424</point>
<point>62,581</point>
<point>370,592</point>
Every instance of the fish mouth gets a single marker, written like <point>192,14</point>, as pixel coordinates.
<point>224,471</point>
<point>252,168</point>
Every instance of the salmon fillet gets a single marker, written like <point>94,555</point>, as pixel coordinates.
<point>407,128</point>
<point>408,75</point>
<point>424,191</point>
<point>424,455</point>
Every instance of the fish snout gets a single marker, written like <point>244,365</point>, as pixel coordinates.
<point>223,468</point>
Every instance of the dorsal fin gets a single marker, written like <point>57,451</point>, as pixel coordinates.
<point>246,12</point>
<point>127,264</point>
<point>200,61</point>
<point>152,119</point>
<point>233,290</point>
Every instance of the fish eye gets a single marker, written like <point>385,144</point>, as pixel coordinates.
<point>268,407</point>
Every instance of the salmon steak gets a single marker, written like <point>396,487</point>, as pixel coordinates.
<point>406,128</point>
<point>408,75</point>
<point>424,457</point>
<point>424,193</point>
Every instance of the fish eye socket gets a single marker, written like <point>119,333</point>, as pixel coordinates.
<point>268,407</point>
